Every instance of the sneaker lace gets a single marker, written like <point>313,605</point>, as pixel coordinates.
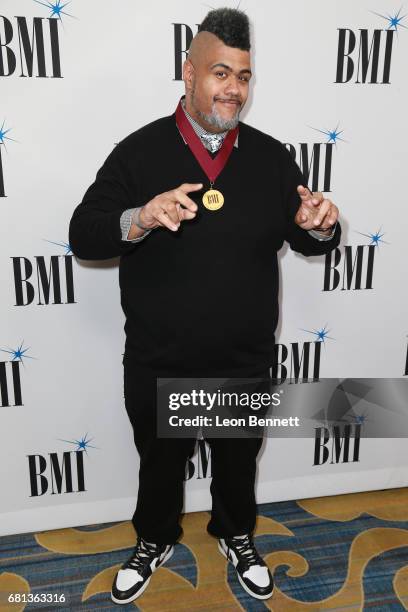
<point>246,550</point>
<point>143,554</point>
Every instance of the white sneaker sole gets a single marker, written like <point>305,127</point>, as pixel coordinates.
<point>242,583</point>
<point>146,584</point>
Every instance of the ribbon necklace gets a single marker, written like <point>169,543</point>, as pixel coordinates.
<point>212,198</point>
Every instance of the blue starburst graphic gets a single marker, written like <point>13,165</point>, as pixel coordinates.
<point>3,133</point>
<point>393,21</point>
<point>320,334</point>
<point>360,419</point>
<point>18,354</point>
<point>333,135</point>
<point>65,245</point>
<point>56,8</point>
<point>82,444</point>
<point>375,238</point>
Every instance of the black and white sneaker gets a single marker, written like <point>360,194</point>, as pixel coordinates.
<point>134,576</point>
<point>252,571</point>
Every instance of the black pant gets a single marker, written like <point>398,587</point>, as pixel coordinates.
<point>163,464</point>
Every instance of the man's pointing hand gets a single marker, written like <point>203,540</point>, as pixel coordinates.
<point>315,212</point>
<point>169,209</point>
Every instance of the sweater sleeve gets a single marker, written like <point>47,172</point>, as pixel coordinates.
<point>94,229</point>
<point>300,240</point>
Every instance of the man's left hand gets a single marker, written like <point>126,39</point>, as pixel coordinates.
<point>315,211</point>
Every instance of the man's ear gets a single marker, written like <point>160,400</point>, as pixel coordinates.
<point>188,74</point>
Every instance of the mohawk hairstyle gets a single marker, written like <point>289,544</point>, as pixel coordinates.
<point>229,25</point>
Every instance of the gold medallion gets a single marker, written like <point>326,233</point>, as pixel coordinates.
<point>213,199</point>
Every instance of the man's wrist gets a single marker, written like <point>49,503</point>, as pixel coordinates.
<point>325,231</point>
<point>137,220</point>
<point>323,235</point>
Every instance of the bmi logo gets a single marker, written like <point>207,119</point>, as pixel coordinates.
<point>300,362</point>
<point>10,376</point>
<point>182,36</point>
<point>30,46</point>
<point>46,279</point>
<point>352,268</point>
<point>365,55</point>
<point>59,472</point>
<point>316,159</point>
<point>340,444</point>
<point>338,439</point>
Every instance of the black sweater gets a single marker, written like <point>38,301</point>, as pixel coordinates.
<point>204,299</point>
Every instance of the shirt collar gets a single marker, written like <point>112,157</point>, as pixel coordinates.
<point>199,130</point>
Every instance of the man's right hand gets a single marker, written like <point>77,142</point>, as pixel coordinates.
<point>166,210</point>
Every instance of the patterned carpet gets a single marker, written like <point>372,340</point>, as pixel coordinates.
<point>347,552</point>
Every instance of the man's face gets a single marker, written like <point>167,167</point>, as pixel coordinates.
<point>217,83</point>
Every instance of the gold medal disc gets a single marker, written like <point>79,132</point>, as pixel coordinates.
<point>213,199</point>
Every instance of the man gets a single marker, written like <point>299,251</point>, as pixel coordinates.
<point>197,205</point>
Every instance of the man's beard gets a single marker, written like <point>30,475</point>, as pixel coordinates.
<point>214,119</point>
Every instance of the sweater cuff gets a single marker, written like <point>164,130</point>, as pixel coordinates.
<point>125,224</point>
<point>322,237</point>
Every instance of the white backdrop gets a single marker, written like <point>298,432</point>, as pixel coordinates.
<point>117,65</point>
